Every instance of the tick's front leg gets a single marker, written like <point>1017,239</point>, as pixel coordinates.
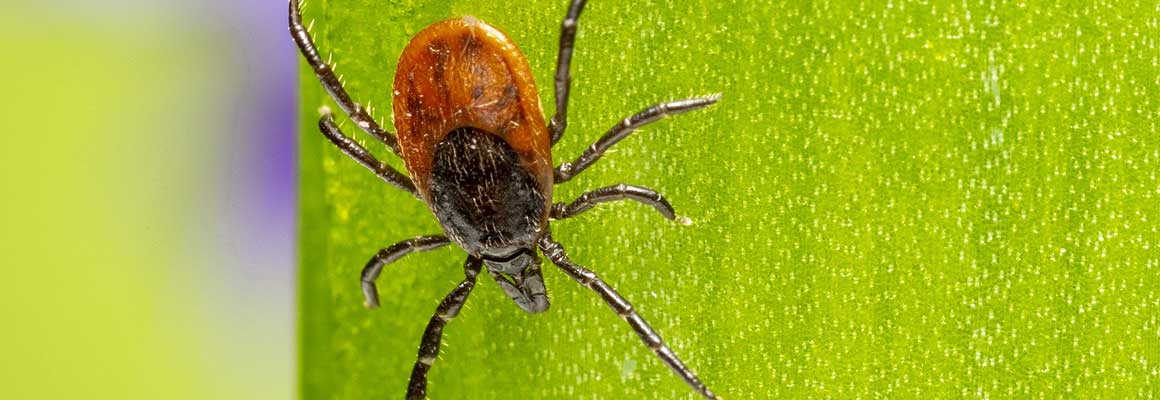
<point>448,309</point>
<point>555,252</point>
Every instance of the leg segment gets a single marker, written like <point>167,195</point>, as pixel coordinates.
<point>374,267</point>
<point>614,193</point>
<point>589,279</point>
<point>364,157</point>
<point>447,310</point>
<point>568,170</point>
<point>333,85</point>
<point>564,69</point>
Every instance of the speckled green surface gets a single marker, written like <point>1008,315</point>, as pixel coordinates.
<point>907,199</point>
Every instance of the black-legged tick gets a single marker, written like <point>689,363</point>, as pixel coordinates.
<point>479,154</point>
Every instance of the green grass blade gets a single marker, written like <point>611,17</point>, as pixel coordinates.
<point>895,200</point>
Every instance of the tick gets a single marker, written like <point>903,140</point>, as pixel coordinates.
<point>478,152</point>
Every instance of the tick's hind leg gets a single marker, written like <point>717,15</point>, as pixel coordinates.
<point>364,157</point>
<point>652,114</point>
<point>374,267</point>
<point>447,310</point>
<point>614,193</point>
<point>332,83</point>
<point>564,69</point>
<point>555,252</point>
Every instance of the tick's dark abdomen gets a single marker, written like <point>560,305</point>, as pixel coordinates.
<point>485,199</point>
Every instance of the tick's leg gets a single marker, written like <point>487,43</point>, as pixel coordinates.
<point>614,193</point>
<point>364,157</point>
<point>570,169</point>
<point>374,267</point>
<point>447,310</point>
<point>564,69</point>
<point>332,83</point>
<point>526,290</point>
<point>589,279</point>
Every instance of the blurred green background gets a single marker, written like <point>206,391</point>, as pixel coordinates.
<point>896,199</point>
<point>147,164</point>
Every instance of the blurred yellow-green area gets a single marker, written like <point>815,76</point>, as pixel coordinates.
<point>144,234</point>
